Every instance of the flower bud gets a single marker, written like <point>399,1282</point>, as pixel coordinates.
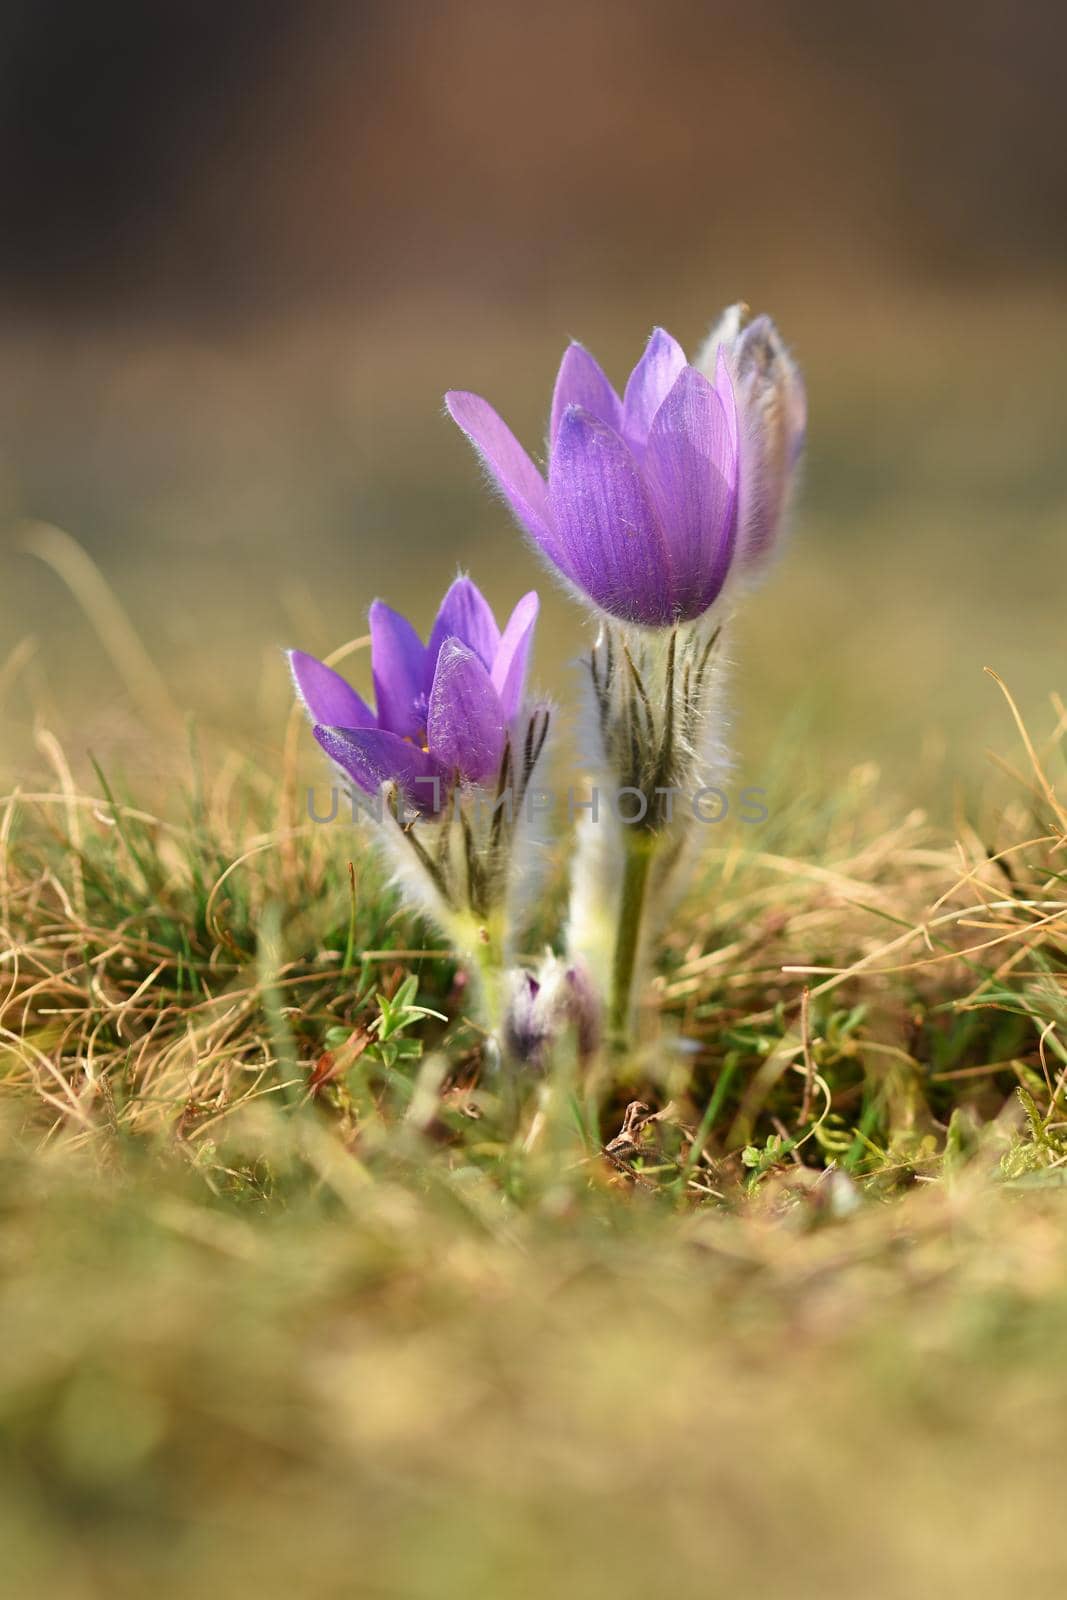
<point>541,1009</point>
<point>772,407</point>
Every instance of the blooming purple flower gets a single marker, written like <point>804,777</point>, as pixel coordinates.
<point>773,411</point>
<point>639,510</point>
<point>444,709</point>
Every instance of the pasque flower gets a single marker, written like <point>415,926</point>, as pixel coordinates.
<point>639,510</point>
<point>772,406</point>
<point>451,727</point>
<point>653,505</point>
<point>443,709</point>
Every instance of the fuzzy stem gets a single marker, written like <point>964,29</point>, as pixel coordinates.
<point>639,850</point>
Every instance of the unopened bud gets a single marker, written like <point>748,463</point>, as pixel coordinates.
<point>542,1009</point>
<point>772,410</point>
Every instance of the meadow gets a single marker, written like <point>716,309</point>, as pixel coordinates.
<point>297,1299</point>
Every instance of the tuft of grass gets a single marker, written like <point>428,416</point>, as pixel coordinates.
<point>839,989</point>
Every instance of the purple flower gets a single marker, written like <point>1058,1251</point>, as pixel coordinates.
<point>773,410</point>
<point>640,507</point>
<point>541,1008</point>
<point>444,709</point>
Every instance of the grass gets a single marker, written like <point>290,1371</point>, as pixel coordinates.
<point>295,1300</point>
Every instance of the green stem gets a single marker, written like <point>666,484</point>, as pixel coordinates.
<point>487,968</point>
<point>483,945</point>
<point>639,848</point>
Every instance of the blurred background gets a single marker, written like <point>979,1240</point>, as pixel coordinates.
<point>248,247</point>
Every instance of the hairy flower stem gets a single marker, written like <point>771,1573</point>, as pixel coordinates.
<point>638,860</point>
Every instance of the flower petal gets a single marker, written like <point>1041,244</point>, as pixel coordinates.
<point>508,671</point>
<point>615,545</point>
<point>398,664</point>
<point>650,383</point>
<point>581,382</point>
<point>466,728</point>
<point>691,467</point>
<point>326,696</point>
<point>724,388</point>
<point>465,614</point>
<point>371,757</point>
<point>508,465</point>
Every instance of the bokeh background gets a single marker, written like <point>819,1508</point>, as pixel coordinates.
<point>248,247</point>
